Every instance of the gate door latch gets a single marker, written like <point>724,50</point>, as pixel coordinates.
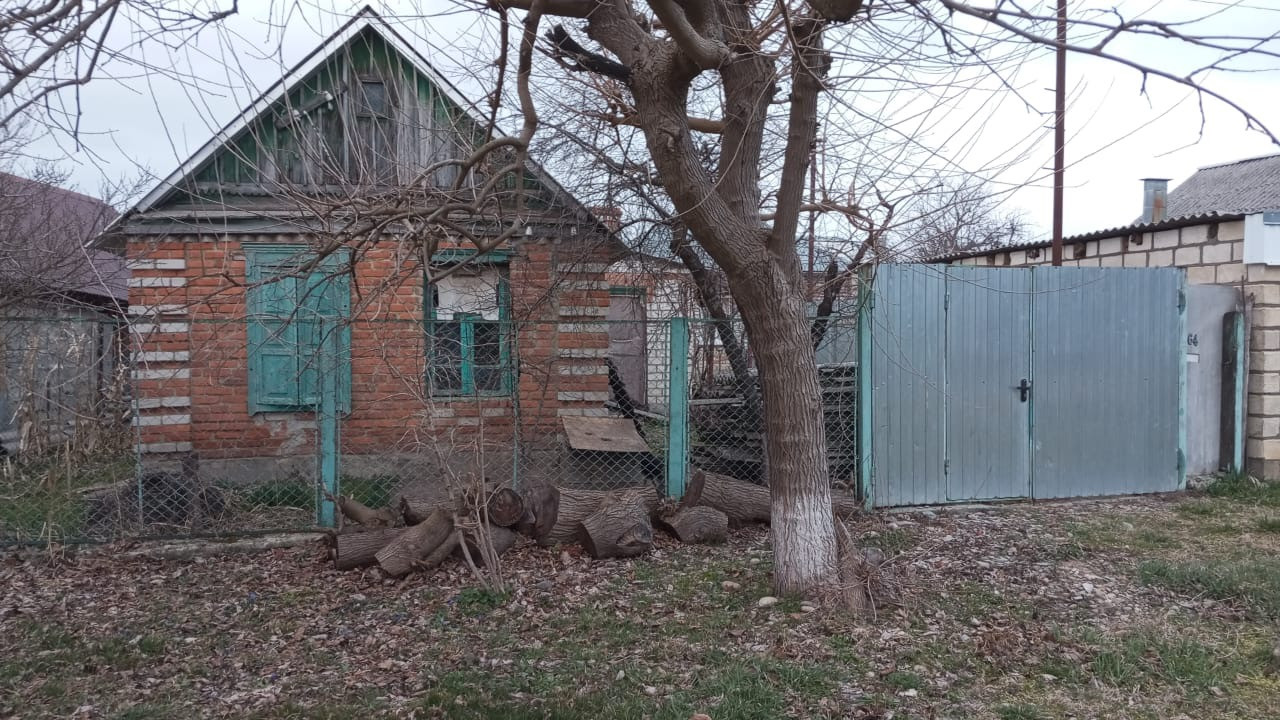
<point>1024,389</point>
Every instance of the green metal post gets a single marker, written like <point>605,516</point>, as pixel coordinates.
<point>1239,381</point>
<point>326,514</point>
<point>1182,380</point>
<point>678,408</point>
<point>864,387</point>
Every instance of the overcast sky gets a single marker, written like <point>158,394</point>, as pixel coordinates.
<point>150,121</point>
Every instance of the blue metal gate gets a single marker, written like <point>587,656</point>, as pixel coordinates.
<point>988,383</point>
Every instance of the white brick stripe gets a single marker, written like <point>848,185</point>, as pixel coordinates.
<point>180,374</point>
<point>152,420</point>
<point>173,401</point>
<point>586,285</point>
<point>582,328</point>
<point>582,396</point>
<point>584,352</point>
<point>157,309</point>
<point>584,267</point>
<point>164,447</point>
<point>148,328</point>
<point>161,356</point>
<point>583,310</point>
<point>158,264</point>
<point>583,370</point>
<point>582,412</point>
<point>141,282</point>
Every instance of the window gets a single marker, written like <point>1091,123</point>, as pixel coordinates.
<point>469,333</point>
<point>374,139</point>
<point>297,329</point>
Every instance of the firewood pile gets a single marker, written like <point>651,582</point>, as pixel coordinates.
<point>430,524</point>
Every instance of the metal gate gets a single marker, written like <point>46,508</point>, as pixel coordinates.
<point>989,383</point>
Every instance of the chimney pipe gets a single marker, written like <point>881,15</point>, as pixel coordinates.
<point>1155,192</point>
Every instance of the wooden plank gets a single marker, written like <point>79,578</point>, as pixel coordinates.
<point>603,434</point>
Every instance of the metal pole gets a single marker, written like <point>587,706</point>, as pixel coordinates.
<point>1059,133</point>
<point>678,408</point>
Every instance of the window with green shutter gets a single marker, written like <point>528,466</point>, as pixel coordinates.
<point>469,333</point>
<point>297,323</point>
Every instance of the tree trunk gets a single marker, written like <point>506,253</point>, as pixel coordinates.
<point>802,528</point>
<point>357,549</point>
<point>619,528</point>
<point>698,525</point>
<point>416,543</point>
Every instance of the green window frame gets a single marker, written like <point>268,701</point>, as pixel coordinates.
<point>469,356</point>
<point>291,316</point>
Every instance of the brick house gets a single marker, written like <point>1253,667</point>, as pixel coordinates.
<point>1222,225</point>
<point>240,322</point>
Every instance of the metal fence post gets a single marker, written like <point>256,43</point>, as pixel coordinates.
<point>325,511</point>
<point>678,408</point>
<point>864,411</point>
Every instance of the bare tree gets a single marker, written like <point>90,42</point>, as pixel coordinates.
<point>720,103</point>
<point>766,68</point>
<point>955,217</point>
<point>47,46</point>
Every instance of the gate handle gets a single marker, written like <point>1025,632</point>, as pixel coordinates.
<point>1024,389</point>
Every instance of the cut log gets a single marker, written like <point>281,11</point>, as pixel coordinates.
<point>504,507</point>
<point>417,504</point>
<point>575,506</point>
<point>358,549</point>
<point>416,543</point>
<point>745,502</point>
<point>358,512</point>
<point>701,524</point>
<point>741,502</point>
<point>541,502</point>
<point>438,555</point>
<point>620,527</point>
<point>502,539</point>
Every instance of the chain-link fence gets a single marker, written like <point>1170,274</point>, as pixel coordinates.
<point>203,427</point>
<point>726,427</point>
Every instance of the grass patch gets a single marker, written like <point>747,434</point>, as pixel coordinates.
<point>478,601</point>
<point>1243,488</point>
<point>893,541</point>
<point>1254,584</point>
<point>1145,658</point>
<point>902,680</point>
<point>42,495</point>
<point>375,492</point>
<point>1268,524</point>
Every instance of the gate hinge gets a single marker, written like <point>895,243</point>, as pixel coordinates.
<point>946,466</point>
<point>1182,300</point>
<point>1182,462</point>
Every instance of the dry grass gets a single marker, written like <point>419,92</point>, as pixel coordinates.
<point>1149,608</point>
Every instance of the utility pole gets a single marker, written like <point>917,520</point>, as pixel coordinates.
<point>1059,133</point>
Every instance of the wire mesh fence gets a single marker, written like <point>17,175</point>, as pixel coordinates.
<point>179,427</point>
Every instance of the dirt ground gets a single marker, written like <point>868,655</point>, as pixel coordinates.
<point>1162,607</point>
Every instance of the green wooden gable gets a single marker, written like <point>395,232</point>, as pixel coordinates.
<point>365,117</point>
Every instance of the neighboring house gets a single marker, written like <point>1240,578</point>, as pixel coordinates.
<point>1223,226</point>
<point>240,321</point>
<point>60,307</point>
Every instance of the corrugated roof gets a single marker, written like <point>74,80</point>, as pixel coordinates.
<point>1236,188</point>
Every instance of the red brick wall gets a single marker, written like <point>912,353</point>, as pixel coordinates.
<point>191,381</point>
